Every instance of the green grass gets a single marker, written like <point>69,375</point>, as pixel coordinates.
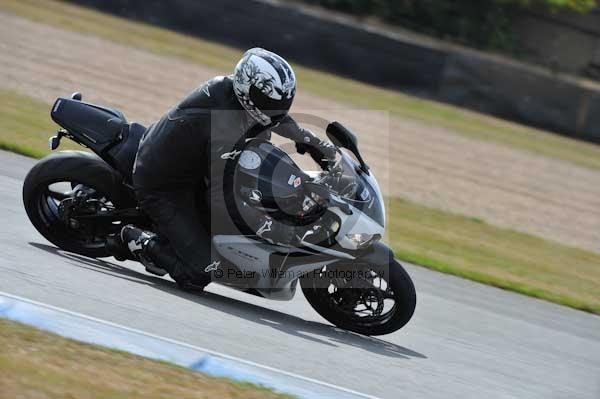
<point>455,244</point>
<point>25,125</point>
<point>38,364</point>
<point>222,58</point>
<point>470,248</point>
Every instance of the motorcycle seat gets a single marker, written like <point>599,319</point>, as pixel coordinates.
<point>95,126</point>
<point>123,153</point>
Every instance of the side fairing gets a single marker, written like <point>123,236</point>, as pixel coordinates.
<point>271,270</point>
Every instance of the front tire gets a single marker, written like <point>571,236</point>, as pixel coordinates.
<point>41,203</point>
<point>337,305</point>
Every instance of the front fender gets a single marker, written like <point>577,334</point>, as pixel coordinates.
<point>378,254</point>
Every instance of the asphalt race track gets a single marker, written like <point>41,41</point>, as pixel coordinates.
<point>466,340</point>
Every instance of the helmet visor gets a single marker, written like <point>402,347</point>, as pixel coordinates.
<point>269,106</point>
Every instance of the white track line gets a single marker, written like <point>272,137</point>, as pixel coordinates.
<point>186,345</point>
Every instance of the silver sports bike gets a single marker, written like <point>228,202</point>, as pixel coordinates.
<point>78,199</point>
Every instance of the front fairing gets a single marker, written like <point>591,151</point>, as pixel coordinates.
<point>283,190</point>
<point>361,192</point>
<point>359,189</point>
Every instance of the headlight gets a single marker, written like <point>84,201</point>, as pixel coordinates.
<point>362,239</point>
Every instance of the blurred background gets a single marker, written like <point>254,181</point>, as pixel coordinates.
<point>490,109</point>
<point>480,119</point>
<point>422,47</point>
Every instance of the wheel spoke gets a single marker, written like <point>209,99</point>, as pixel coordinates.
<point>388,294</point>
<point>367,299</point>
<point>67,218</point>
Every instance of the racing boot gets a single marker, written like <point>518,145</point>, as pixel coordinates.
<point>137,240</point>
<point>163,254</point>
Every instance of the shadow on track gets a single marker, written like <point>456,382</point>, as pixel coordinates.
<point>327,335</point>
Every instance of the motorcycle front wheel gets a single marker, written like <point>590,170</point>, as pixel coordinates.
<point>366,299</point>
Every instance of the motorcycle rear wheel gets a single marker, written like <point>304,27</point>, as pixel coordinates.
<point>348,302</point>
<point>42,201</point>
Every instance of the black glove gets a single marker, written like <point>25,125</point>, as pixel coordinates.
<point>321,151</point>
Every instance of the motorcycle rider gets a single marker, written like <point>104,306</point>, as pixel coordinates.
<point>181,160</point>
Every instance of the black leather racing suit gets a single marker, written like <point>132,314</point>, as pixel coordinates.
<point>181,160</point>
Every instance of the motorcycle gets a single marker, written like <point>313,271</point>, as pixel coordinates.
<point>78,199</point>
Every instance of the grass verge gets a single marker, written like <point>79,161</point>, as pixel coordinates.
<point>222,58</point>
<point>470,248</point>
<point>38,364</point>
<point>449,243</point>
<point>25,125</point>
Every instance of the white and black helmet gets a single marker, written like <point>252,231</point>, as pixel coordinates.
<point>265,85</point>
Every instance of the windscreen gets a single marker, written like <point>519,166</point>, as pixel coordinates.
<point>358,188</point>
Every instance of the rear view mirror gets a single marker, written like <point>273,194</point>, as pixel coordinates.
<point>340,136</point>
<point>344,138</point>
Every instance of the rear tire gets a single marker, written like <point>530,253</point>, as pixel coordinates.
<point>70,166</point>
<point>404,296</point>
